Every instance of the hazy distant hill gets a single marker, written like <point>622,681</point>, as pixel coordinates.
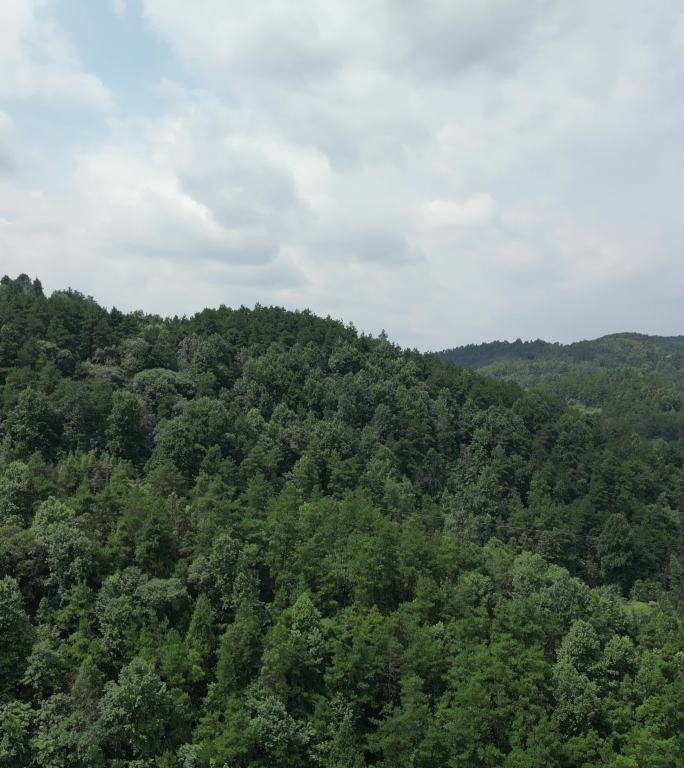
<point>534,363</point>
<point>636,380</point>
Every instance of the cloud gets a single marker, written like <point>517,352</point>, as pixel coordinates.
<point>188,200</point>
<point>36,59</point>
<point>307,40</point>
<point>6,142</point>
<point>451,170</point>
<point>462,90</point>
<point>448,214</point>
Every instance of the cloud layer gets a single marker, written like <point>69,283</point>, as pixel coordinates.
<point>450,171</point>
<point>36,59</point>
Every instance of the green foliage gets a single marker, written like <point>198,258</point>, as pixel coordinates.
<point>633,381</point>
<point>32,425</point>
<point>15,634</point>
<point>15,724</point>
<point>257,538</point>
<point>137,713</point>
<point>126,433</point>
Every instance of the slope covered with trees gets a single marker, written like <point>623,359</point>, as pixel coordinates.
<point>258,538</point>
<point>636,381</point>
<point>540,362</point>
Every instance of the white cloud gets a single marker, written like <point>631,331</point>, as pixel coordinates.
<point>450,170</point>
<point>36,59</point>
<point>307,40</point>
<point>6,142</point>
<point>677,32</point>
<point>119,6</point>
<point>448,214</point>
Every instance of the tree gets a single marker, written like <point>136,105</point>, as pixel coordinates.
<point>615,549</point>
<point>15,634</point>
<point>15,723</point>
<point>200,640</point>
<point>63,737</point>
<point>264,540</point>
<point>577,701</point>
<point>46,666</point>
<point>239,651</point>
<point>136,713</point>
<point>32,426</point>
<point>292,660</point>
<point>15,493</point>
<point>127,435</point>
<point>343,749</point>
<point>580,647</point>
<point>401,731</point>
<point>69,550</point>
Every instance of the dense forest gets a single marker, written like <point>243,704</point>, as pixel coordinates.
<point>258,538</point>
<point>541,361</point>
<point>635,381</point>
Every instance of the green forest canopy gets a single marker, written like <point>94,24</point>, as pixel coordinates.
<point>260,538</point>
<point>636,381</point>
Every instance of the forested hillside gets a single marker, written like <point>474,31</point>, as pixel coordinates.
<point>539,362</point>
<point>636,381</point>
<point>259,538</point>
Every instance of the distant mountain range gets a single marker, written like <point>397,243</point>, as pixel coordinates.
<point>635,380</point>
<point>535,363</point>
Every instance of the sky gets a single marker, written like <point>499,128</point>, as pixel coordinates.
<point>451,171</point>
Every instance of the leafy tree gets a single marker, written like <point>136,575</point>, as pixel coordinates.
<point>399,735</point>
<point>15,634</point>
<point>135,713</point>
<point>127,435</point>
<point>200,639</point>
<point>343,749</point>
<point>577,701</point>
<point>62,737</point>
<point>69,551</point>
<point>32,426</point>
<point>15,723</point>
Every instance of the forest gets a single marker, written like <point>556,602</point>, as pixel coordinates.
<point>635,381</point>
<point>257,538</point>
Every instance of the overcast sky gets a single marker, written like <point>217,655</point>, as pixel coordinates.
<point>452,171</point>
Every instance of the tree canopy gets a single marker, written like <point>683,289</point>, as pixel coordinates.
<point>259,538</point>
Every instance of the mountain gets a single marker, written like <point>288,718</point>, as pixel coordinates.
<point>535,363</point>
<point>260,538</point>
<point>637,381</point>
